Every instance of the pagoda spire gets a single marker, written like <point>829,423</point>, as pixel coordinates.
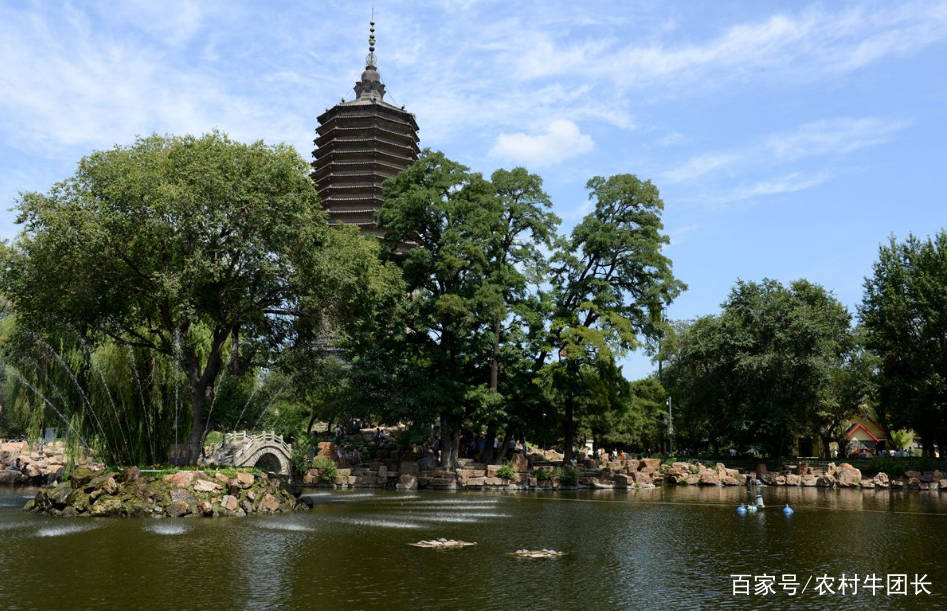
<point>370,87</point>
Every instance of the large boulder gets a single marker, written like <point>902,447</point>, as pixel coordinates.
<point>848,476</point>
<point>824,481</point>
<point>881,480</point>
<point>793,479</point>
<point>710,478</point>
<point>651,464</point>
<point>520,464</point>
<point>243,480</point>
<point>180,479</point>
<point>640,477</point>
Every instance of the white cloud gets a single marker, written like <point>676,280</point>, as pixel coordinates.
<point>790,183</point>
<point>837,135</point>
<point>560,140</point>
<point>696,167</point>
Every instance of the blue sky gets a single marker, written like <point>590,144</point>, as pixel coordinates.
<point>788,139</point>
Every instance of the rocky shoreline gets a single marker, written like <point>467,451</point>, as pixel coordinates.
<point>36,464</point>
<point>178,494</point>
<point>537,473</point>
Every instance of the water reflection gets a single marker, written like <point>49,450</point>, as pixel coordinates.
<point>664,548</point>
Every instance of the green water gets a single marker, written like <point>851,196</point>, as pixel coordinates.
<point>660,549</point>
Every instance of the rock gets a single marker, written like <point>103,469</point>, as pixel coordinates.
<point>942,484</point>
<point>183,496</point>
<point>409,467</point>
<point>601,484</point>
<point>223,479</point>
<point>109,485</point>
<point>229,502</point>
<point>10,477</point>
<point>641,477</point>
<point>407,482</point>
<point>207,508</point>
<point>881,480</point>
<point>710,478</point>
<point>130,474</point>
<point>825,481</point>
<point>780,480</point>
<point>867,483</point>
<point>649,463</point>
<point>520,464</point>
<point>729,481</point>
<point>897,484</point>
<point>692,480</point>
<point>808,480</point>
<point>269,503</point>
<point>793,479</point>
<point>623,480</point>
<point>107,506</point>
<point>81,476</point>
<point>205,485</point>
<point>848,476</point>
<point>244,480</point>
<point>60,496</point>
<point>181,479</point>
<point>913,483</point>
<point>178,508</point>
<point>382,472</point>
<point>803,468</point>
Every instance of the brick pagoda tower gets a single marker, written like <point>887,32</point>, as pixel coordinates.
<point>359,144</point>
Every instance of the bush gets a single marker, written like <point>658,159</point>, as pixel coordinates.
<point>568,476</point>
<point>303,451</point>
<point>543,475</point>
<point>327,468</point>
<point>506,471</point>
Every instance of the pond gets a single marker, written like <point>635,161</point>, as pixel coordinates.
<point>671,548</point>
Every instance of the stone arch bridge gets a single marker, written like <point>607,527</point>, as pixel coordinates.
<point>266,451</point>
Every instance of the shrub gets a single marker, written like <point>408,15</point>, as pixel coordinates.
<point>543,475</point>
<point>327,468</point>
<point>303,451</point>
<point>568,476</point>
<point>506,471</point>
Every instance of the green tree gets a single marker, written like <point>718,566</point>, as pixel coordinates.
<point>438,341</point>
<point>610,283</point>
<point>904,312</point>
<point>199,249</point>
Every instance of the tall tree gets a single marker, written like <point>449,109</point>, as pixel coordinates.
<point>904,312</point>
<point>451,216</point>
<point>610,284</point>
<point>185,246</point>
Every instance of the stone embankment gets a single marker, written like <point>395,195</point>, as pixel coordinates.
<point>536,473</point>
<point>179,494</point>
<point>26,464</point>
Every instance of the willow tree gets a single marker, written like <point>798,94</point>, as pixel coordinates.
<point>209,251</point>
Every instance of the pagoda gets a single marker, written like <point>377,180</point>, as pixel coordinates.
<point>359,144</point>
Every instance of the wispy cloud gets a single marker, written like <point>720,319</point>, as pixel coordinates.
<point>837,135</point>
<point>780,158</point>
<point>697,166</point>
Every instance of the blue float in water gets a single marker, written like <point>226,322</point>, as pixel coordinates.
<point>741,510</point>
<point>787,510</point>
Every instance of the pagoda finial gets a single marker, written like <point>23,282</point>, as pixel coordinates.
<point>371,60</point>
<point>370,87</point>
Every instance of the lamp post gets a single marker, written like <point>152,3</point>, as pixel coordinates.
<point>670,429</point>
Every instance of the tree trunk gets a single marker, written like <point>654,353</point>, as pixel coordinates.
<point>826,447</point>
<point>488,454</point>
<point>198,398</point>
<point>450,441</point>
<point>570,429</point>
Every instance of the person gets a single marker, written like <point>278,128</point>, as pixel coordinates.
<point>524,446</point>
<point>378,433</point>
